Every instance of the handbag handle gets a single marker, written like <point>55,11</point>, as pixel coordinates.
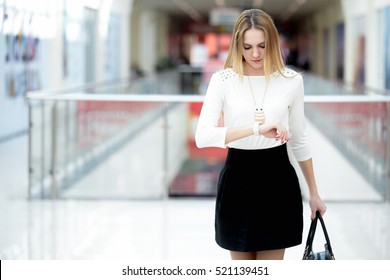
<point>312,231</point>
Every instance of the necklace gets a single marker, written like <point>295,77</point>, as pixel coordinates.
<point>259,110</point>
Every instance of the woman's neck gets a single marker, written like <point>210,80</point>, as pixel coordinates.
<point>249,71</point>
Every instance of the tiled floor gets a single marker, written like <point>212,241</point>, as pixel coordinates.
<point>162,229</point>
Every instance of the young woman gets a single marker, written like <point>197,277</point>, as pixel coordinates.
<point>259,211</point>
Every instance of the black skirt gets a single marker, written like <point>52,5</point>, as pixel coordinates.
<point>259,201</point>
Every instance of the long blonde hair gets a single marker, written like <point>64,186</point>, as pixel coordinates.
<point>258,19</point>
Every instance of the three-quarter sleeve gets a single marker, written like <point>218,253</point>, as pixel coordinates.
<point>297,123</point>
<point>208,134</point>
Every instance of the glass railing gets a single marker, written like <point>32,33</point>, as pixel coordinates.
<point>69,138</point>
<point>136,141</point>
<point>359,128</point>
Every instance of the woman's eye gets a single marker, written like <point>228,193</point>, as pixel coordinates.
<point>246,48</point>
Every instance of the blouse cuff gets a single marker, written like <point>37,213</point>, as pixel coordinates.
<point>302,154</point>
<point>216,138</point>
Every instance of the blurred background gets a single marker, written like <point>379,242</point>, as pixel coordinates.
<point>99,101</point>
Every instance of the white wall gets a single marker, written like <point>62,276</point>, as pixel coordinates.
<point>151,39</point>
<point>326,19</point>
<point>147,40</point>
<point>374,61</point>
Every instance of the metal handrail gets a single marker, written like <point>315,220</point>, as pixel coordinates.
<point>82,96</point>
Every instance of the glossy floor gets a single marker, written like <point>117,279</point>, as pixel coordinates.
<point>164,230</point>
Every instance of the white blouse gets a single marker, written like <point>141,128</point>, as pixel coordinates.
<point>232,97</point>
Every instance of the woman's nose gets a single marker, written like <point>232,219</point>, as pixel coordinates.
<point>255,53</point>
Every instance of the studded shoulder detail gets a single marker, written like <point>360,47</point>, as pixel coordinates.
<point>289,72</point>
<point>226,74</point>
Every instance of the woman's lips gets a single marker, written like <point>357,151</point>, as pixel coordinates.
<point>257,61</point>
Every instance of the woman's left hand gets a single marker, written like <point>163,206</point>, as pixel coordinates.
<point>316,203</point>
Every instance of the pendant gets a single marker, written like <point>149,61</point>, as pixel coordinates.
<point>259,115</point>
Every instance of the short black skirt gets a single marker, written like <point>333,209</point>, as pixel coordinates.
<point>259,201</point>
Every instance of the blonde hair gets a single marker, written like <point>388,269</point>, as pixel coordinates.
<point>258,19</point>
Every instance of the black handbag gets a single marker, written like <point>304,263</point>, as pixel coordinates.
<point>309,254</point>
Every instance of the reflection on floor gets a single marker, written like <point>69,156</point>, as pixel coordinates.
<point>166,230</point>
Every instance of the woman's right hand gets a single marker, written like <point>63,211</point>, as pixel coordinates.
<point>274,130</point>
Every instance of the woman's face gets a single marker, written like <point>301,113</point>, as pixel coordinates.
<point>253,50</point>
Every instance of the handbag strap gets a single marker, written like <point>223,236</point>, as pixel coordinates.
<point>310,236</point>
<point>312,231</point>
<point>319,217</point>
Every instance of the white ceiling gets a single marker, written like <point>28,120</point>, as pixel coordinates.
<point>278,9</point>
